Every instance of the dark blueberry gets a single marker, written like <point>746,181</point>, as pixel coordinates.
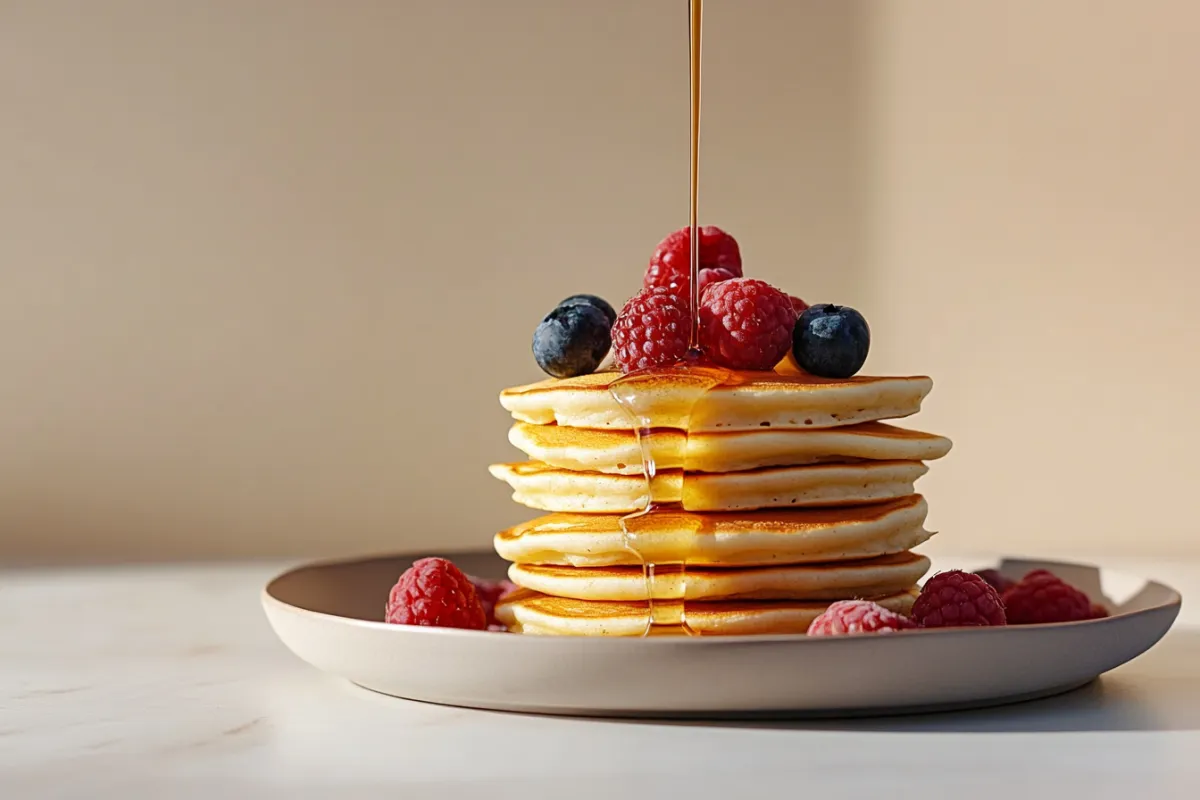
<point>591,300</point>
<point>831,341</point>
<point>572,340</point>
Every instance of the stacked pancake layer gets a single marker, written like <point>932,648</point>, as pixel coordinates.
<point>773,495</point>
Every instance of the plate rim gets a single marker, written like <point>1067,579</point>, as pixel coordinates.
<point>269,601</point>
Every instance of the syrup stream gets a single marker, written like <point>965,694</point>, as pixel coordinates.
<point>688,383</point>
<point>696,30</point>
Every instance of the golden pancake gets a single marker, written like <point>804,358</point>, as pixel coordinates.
<point>870,578</point>
<point>547,488</point>
<point>618,452</point>
<point>754,538</point>
<point>750,400</point>
<point>524,611</point>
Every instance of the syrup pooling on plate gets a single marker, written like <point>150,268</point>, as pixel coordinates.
<point>642,395</point>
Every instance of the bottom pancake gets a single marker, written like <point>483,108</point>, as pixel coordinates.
<point>868,578</point>
<point>525,611</point>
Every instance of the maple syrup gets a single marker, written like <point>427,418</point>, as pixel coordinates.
<point>635,393</point>
<point>695,39</point>
<point>689,382</point>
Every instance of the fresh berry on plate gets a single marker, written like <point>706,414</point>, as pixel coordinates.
<point>956,599</point>
<point>799,305</point>
<point>746,324</point>
<point>572,340</point>
<point>857,616</point>
<point>652,330</point>
<point>831,341</point>
<point>671,268</point>
<point>591,300</point>
<point>489,593</point>
<point>997,581</point>
<point>1098,611</point>
<point>436,593</point>
<point>1041,597</point>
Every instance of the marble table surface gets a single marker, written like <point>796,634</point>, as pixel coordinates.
<point>165,681</point>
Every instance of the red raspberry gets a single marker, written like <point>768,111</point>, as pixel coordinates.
<point>679,284</point>
<point>710,276</point>
<point>997,581</point>
<point>746,324</point>
<point>1098,612</point>
<point>798,304</point>
<point>435,592</point>
<point>1042,597</point>
<point>957,599</point>
<point>651,330</point>
<point>857,616</point>
<point>489,593</point>
<point>671,267</point>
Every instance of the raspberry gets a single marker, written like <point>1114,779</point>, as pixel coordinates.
<point>710,276</point>
<point>746,324</point>
<point>651,330</point>
<point>997,581</point>
<point>957,599</point>
<point>1042,597</point>
<point>489,593</point>
<point>434,592</point>
<point>798,304</point>
<point>671,268</point>
<point>857,616</point>
<point>1098,611</point>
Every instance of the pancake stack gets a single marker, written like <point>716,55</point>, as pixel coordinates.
<point>773,494</point>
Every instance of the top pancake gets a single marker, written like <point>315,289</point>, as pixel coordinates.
<point>750,401</point>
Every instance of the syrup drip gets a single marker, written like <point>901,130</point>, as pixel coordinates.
<point>636,394</point>
<point>695,39</point>
<point>689,382</point>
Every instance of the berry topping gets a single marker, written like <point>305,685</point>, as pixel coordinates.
<point>746,323</point>
<point>1042,596</point>
<point>434,592</point>
<point>957,599</point>
<point>489,593</point>
<point>831,341</point>
<point>857,616</point>
<point>591,300</point>
<point>671,268</point>
<point>572,340</point>
<point>997,581</point>
<point>651,330</point>
<point>710,276</point>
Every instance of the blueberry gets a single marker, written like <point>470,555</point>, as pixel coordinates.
<point>831,341</point>
<point>572,340</point>
<point>591,300</point>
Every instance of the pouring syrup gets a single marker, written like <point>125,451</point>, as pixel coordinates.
<point>688,380</point>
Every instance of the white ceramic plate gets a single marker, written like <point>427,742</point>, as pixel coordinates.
<point>329,615</point>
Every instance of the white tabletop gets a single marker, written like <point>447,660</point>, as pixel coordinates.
<point>167,682</point>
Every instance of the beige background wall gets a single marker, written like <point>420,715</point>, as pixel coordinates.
<point>1034,239</point>
<point>265,264</point>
